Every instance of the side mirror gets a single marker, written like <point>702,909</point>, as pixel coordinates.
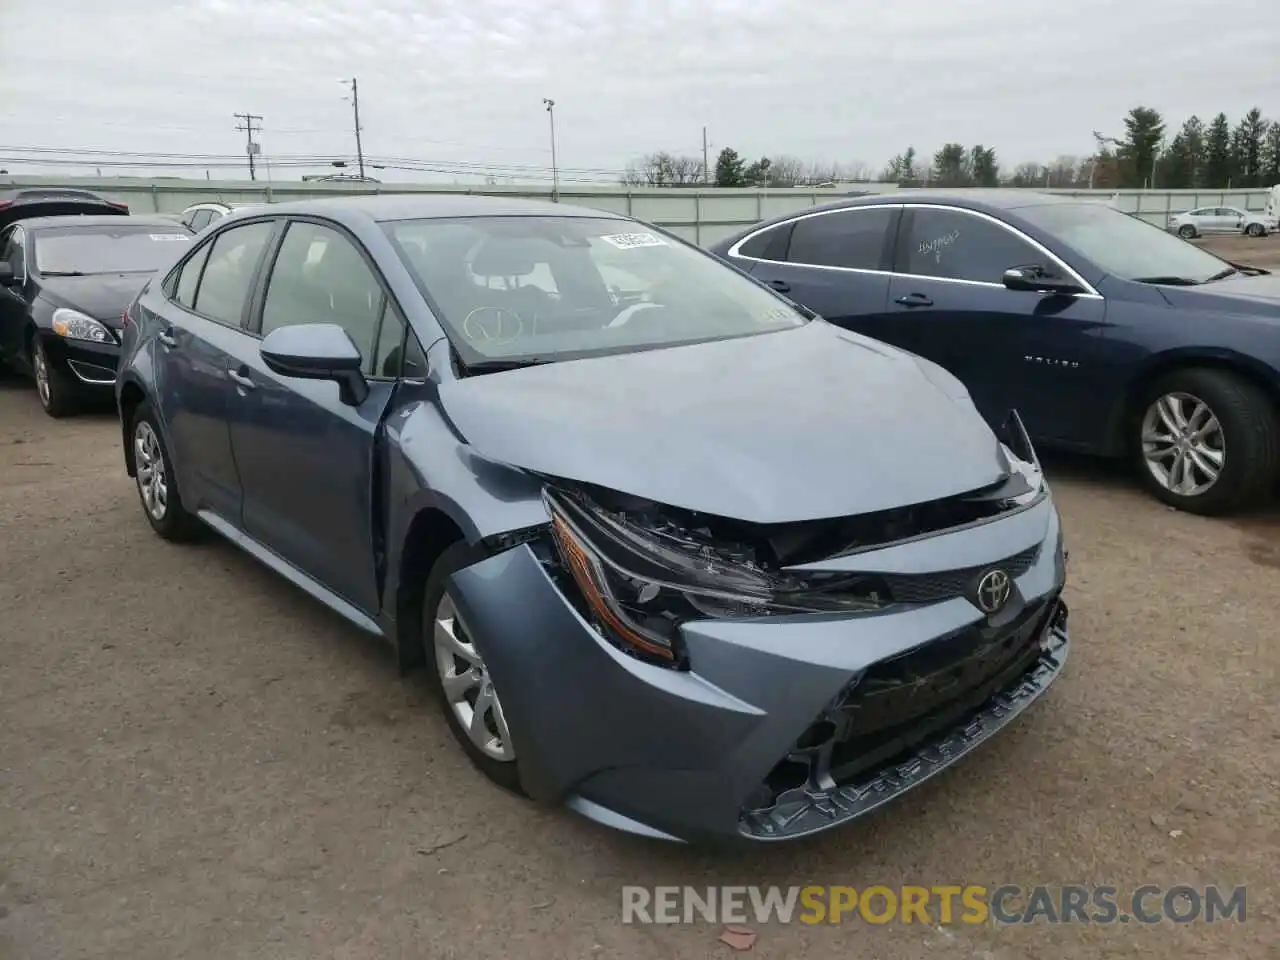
<point>1037,279</point>
<point>7,277</point>
<point>317,351</point>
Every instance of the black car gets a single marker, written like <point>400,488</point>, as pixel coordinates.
<point>1110,336</point>
<point>26,202</point>
<point>65,282</point>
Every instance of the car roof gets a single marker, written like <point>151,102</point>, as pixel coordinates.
<point>38,194</point>
<point>1008,198</point>
<point>81,220</point>
<point>422,206</point>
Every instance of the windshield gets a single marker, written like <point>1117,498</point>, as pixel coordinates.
<point>552,288</point>
<point>1124,246</point>
<point>128,248</point>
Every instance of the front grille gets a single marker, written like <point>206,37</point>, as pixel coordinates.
<point>933,587</point>
<point>872,744</point>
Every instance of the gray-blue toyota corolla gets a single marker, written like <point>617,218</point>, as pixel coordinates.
<point>675,552</point>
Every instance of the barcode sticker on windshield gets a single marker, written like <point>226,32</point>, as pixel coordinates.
<point>627,241</point>
<point>168,236</point>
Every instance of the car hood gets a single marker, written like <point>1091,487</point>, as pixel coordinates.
<point>799,425</point>
<point>102,296</point>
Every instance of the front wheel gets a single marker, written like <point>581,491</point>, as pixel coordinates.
<point>1208,441</point>
<point>1255,230</point>
<point>56,390</point>
<point>468,697</point>
<point>1187,232</point>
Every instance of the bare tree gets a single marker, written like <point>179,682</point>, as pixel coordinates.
<point>663,169</point>
<point>786,171</point>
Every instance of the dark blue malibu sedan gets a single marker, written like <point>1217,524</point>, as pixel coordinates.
<point>1109,335</point>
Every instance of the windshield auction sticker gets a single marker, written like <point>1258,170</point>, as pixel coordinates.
<point>629,241</point>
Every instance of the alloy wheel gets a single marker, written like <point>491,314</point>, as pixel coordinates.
<point>41,368</point>
<point>468,686</point>
<point>153,484</point>
<point>1183,444</point>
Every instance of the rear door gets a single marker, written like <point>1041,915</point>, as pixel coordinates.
<point>836,264</point>
<point>1036,352</point>
<point>306,459</point>
<point>203,327</point>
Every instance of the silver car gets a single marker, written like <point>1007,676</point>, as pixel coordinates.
<point>1210,220</point>
<point>674,552</point>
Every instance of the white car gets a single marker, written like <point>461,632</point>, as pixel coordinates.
<point>200,215</point>
<point>1206,220</point>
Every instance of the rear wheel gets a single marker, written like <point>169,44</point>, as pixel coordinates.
<point>1208,442</point>
<point>1187,231</point>
<point>1255,230</point>
<point>157,485</point>
<point>56,390</point>
<point>468,698</point>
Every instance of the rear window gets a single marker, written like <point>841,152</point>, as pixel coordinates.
<point>128,248</point>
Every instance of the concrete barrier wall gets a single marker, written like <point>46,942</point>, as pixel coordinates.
<point>702,216</point>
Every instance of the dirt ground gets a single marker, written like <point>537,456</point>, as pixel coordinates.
<point>197,761</point>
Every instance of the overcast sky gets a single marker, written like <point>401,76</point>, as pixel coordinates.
<point>454,81</point>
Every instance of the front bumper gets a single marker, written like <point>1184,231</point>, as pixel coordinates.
<point>782,726</point>
<point>92,364</point>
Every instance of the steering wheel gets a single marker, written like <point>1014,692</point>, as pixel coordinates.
<point>492,324</point>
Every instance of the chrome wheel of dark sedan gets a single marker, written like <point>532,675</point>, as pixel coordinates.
<point>152,469</point>
<point>1208,442</point>
<point>56,394</point>
<point>468,686</point>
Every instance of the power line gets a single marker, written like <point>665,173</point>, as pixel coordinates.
<point>250,147</point>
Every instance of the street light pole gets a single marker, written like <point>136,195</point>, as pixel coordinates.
<point>555,170</point>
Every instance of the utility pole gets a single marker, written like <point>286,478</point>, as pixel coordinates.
<point>250,146</point>
<point>705,171</point>
<point>555,170</point>
<point>355,106</point>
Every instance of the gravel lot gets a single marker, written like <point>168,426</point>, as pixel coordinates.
<point>197,761</point>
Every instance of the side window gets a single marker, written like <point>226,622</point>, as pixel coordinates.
<point>13,253</point>
<point>320,277</point>
<point>415,359</point>
<point>769,245</point>
<point>850,238</point>
<point>184,291</point>
<point>955,245</point>
<point>200,219</point>
<point>229,270</point>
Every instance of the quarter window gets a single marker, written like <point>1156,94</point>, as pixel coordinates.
<point>953,245</point>
<point>189,278</point>
<point>768,245</point>
<point>320,277</point>
<point>851,238</point>
<point>201,219</point>
<point>224,285</point>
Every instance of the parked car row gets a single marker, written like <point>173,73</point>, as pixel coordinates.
<point>700,552</point>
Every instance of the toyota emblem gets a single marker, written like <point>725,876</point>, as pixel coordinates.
<point>993,591</point>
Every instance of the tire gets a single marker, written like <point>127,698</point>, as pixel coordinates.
<point>161,504</point>
<point>1245,448</point>
<point>1187,232</point>
<point>55,389</point>
<point>499,765</point>
<point>1255,230</point>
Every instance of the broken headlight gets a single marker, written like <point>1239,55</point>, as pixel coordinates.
<point>639,582</point>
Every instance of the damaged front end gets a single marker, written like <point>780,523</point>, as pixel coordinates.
<point>639,569</point>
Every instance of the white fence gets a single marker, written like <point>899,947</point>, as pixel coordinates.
<point>703,216</point>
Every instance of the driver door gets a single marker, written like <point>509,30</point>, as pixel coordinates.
<point>1035,352</point>
<point>306,459</point>
<point>13,298</point>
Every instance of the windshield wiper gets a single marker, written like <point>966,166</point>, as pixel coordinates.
<point>63,273</point>
<point>1169,281</point>
<point>1223,274</point>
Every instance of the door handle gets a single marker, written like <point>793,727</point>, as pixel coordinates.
<point>780,285</point>
<point>241,380</point>
<point>167,338</point>
<point>915,300</point>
